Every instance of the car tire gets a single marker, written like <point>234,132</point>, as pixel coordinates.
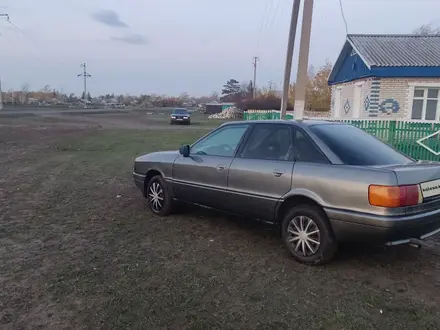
<point>158,196</point>
<point>303,227</point>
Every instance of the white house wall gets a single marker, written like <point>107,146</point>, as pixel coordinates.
<point>346,106</point>
<point>399,90</point>
<point>386,97</point>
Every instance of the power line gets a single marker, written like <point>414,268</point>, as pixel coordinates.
<point>25,35</point>
<point>85,75</point>
<point>268,14</point>
<point>276,11</point>
<point>260,33</point>
<point>36,44</point>
<point>343,17</point>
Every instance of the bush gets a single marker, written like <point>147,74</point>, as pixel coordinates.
<point>270,103</point>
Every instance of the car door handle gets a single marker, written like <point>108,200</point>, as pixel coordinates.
<point>277,173</point>
<point>221,167</point>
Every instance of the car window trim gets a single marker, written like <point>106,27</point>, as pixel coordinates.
<point>240,151</point>
<point>218,129</point>
<point>307,135</point>
<point>244,140</point>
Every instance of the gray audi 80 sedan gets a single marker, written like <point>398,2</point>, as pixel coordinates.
<point>322,182</point>
<point>180,116</point>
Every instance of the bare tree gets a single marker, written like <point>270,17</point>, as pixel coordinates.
<point>214,96</point>
<point>427,29</point>
<point>46,89</point>
<point>24,93</point>
<point>184,97</point>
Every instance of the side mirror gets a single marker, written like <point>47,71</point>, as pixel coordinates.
<point>184,150</point>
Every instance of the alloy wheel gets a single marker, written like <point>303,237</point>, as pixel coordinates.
<point>156,197</point>
<point>303,235</point>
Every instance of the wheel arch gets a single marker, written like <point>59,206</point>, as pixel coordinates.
<point>297,198</point>
<point>150,174</point>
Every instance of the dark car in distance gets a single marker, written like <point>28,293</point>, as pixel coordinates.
<point>322,182</point>
<point>180,116</point>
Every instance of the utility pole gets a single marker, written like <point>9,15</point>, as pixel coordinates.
<point>255,59</point>
<point>1,93</point>
<point>303,60</point>
<point>289,57</point>
<point>85,75</point>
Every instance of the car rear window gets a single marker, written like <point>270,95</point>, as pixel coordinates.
<point>356,147</point>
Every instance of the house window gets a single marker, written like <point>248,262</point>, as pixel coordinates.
<point>426,104</point>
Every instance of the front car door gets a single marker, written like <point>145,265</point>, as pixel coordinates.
<point>202,177</point>
<point>261,173</point>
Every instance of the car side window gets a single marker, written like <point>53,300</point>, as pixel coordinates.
<point>307,151</point>
<point>269,142</point>
<point>222,142</point>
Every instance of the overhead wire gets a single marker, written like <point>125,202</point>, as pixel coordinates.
<point>39,51</point>
<point>268,14</point>
<point>37,47</point>
<point>23,33</point>
<point>9,40</point>
<point>343,16</point>
<point>263,21</point>
<point>4,35</point>
<point>276,12</point>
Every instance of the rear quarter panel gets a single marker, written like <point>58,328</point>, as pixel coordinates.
<point>341,187</point>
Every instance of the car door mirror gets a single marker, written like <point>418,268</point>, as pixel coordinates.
<point>184,150</point>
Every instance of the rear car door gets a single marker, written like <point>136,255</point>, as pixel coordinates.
<point>202,177</point>
<point>261,173</point>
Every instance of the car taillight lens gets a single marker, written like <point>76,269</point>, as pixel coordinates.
<point>394,196</point>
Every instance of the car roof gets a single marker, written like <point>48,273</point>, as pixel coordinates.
<point>302,123</point>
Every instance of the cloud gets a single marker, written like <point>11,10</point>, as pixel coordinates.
<point>109,18</point>
<point>132,39</point>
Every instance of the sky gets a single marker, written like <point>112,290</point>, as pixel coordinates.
<point>176,46</point>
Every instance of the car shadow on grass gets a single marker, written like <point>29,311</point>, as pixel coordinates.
<point>348,252</point>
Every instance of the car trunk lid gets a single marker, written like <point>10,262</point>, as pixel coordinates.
<point>424,173</point>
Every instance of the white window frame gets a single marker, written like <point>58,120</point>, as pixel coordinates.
<point>411,98</point>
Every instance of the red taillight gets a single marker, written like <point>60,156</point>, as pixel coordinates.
<point>394,196</point>
<point>413,195</point>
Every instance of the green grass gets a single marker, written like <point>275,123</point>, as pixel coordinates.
<point>122,143</point>
<point>74,254</point>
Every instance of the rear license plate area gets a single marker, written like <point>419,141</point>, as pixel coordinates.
<point>430,189</point>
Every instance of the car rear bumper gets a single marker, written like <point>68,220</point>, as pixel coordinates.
<point>139,180</point>
<point>351,226</point>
